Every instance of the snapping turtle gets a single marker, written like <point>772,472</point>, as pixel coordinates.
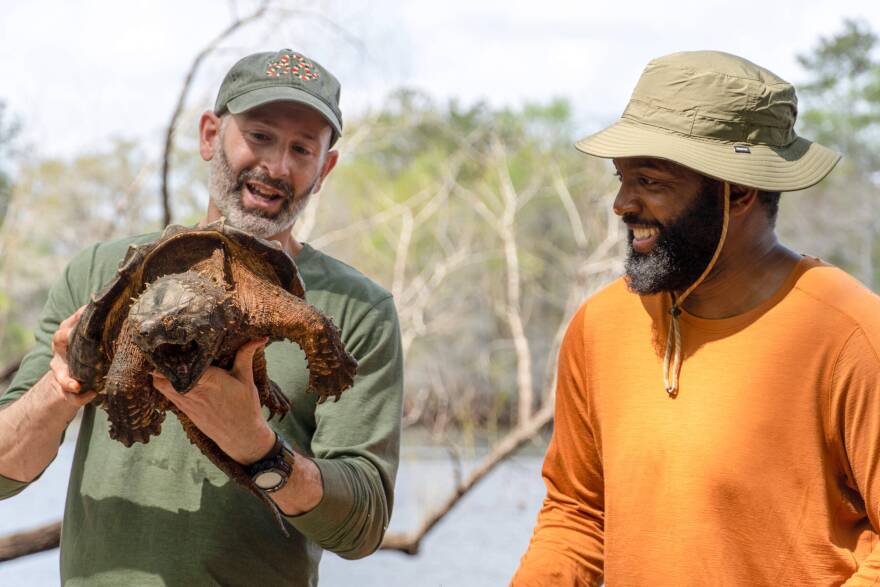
<point>187,301</point>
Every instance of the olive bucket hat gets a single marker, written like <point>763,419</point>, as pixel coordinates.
<point>720,115</point>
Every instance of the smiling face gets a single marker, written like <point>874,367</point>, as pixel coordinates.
<point>674,217</point>
<point>265,164</point>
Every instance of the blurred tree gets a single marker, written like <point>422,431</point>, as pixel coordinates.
<point>464,215</point>
<point>56,208</point>
<point>8,132</point>
<point>838,219</point>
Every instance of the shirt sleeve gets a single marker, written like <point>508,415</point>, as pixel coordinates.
<point>567,545</point>
<point>65,296</point>
<point>855,425</point>
<point>357,443</point>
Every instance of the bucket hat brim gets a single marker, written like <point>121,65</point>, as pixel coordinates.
<point>797,166</point>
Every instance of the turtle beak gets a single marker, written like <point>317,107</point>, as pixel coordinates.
<point>183,364</point>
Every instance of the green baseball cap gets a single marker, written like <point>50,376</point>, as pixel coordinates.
<point>285,75</point>
<point>720,115</point>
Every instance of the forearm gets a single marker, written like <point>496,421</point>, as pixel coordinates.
<point>339,503</point>
<point>304,488</point>
<point>353,513</point>
<point>303,491</point>
<point>31,430</point>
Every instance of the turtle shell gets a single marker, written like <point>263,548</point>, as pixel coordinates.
<point>175,251</point>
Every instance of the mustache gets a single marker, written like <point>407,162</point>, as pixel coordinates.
<point>631,218</point>
<point>263,177</point>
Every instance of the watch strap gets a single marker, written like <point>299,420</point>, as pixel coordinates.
<point>275,463</point>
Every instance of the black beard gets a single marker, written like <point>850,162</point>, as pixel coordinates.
<point>683,249</point>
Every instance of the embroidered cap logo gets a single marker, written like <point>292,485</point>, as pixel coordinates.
<point>293,64</point>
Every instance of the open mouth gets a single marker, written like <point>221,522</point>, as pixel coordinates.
<point>179,361</point>
<point>262,196</point>
<point>644,237</point>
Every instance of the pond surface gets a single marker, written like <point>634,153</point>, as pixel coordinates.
<point>478,544</point>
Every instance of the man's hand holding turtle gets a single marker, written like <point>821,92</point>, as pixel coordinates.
<point>225,406</point>
<point>58,376</point>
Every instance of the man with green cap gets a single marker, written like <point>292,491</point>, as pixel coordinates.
<point>160,513</point>
<point>717,417</point>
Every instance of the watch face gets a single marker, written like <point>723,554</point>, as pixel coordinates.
<point>269,479</point>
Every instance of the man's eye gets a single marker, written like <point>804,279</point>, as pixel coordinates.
<point>647,181</point>
<point>301,150</point>
<point>259,137</point>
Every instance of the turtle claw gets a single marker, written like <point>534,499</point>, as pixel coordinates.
<point>276,401</point>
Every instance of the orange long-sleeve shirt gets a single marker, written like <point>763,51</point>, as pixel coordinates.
<point>764,470</point>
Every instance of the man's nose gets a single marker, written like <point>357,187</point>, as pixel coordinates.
<point>625,202</point>
<point>278,163</point>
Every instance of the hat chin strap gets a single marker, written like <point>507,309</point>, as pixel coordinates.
<point>672,358</point>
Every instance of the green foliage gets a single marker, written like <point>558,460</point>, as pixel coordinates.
<point>844,93</point>
<point>838,219</point>
<point>844,56</point>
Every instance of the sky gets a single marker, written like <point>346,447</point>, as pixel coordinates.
<point>76,73</point>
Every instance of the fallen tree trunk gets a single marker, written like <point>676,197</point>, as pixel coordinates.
<point>30,541</point>
<point>409,542</point>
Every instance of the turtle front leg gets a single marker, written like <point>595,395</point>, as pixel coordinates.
<point>283,315</point>
<point>134,408</point>
<point>271,395</point>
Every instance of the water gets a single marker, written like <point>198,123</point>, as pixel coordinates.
<point>477,544</point>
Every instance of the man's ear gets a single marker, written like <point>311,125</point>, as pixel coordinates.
<point>329,163</point>
<point>209,128</point>
<point>742,199</point>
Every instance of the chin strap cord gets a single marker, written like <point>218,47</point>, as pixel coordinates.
<point>672,357</point>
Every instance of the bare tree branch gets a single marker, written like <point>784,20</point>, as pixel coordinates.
<point>601,259</point>
<point>577,227</point>
<point>404,239</point>
<point>373,221</point>
<point>181,100</point>
<point>409,542</point>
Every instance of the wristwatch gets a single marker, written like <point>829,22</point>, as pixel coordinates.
<point>271,472</point>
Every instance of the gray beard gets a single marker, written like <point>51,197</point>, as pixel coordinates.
<point>225,188</point>
<point>653,272</point>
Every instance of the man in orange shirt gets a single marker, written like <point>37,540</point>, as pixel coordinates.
<point>718,410</point>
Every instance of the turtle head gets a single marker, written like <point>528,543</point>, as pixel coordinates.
<point>179,322</point>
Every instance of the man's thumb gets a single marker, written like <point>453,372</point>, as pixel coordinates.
<point>244,358</point>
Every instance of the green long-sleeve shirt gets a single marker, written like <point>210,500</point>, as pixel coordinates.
<point>161,514</point>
